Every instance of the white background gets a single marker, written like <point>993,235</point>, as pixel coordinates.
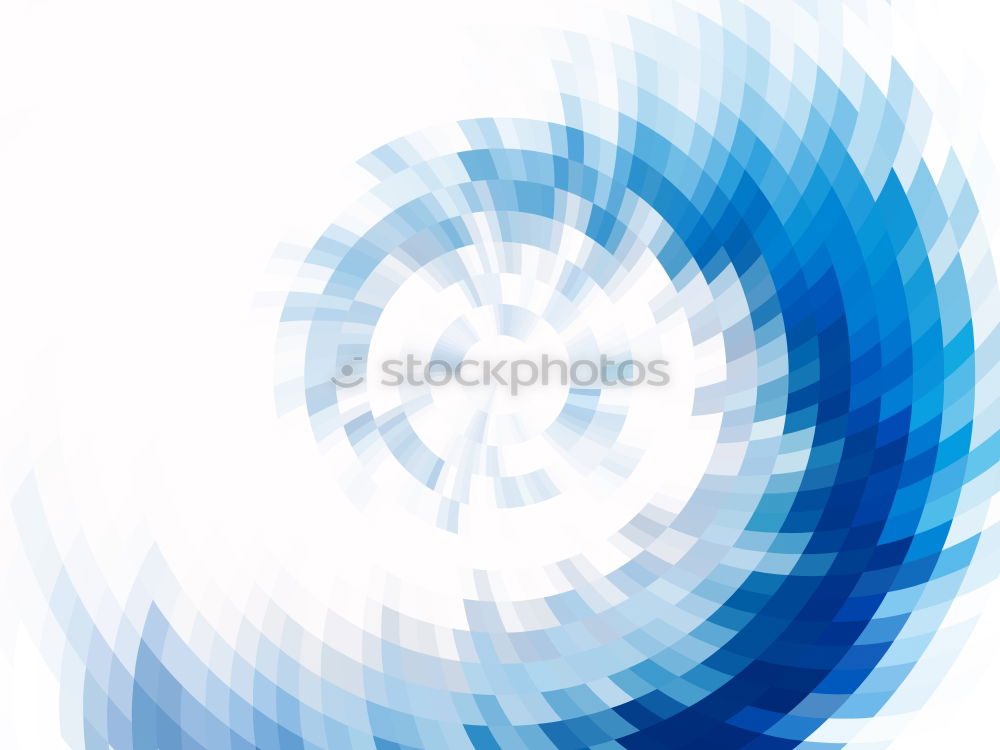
<point>152,157</point>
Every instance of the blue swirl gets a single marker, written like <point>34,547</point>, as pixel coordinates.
<point>821,550</point>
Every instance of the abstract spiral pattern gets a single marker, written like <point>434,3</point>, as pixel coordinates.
<point>776,557</point>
